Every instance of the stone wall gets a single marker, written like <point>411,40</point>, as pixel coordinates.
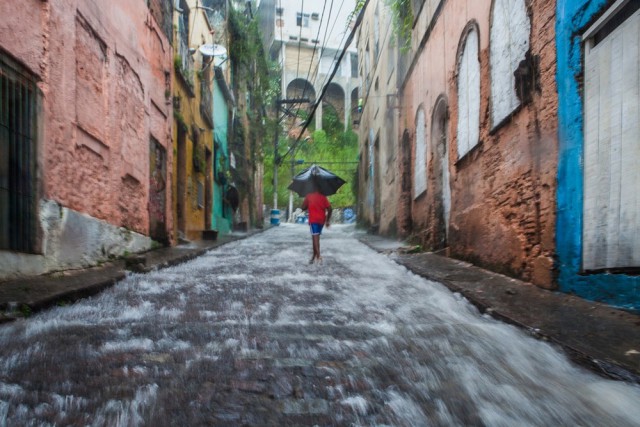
<point>502,203</point>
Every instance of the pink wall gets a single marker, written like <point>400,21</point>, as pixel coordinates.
<point>104,75</point>
<point>502,192</point>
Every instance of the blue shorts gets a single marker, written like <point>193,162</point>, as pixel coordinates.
<point>316,229</point>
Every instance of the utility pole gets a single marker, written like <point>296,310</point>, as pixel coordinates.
<point>277,160</point>
<point>294,162</point>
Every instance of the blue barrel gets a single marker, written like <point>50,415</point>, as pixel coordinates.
<point>275,217</point>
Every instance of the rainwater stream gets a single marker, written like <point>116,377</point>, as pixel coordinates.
<point>250,334</point>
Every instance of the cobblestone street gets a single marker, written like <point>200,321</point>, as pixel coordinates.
<point>251,334</point>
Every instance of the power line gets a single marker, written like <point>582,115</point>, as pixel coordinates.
<point>333,73</point>
<point>314,46</point>
<point>293,124</point>
<point>366,96</point>
<point>324,44</point>
<point>342,40</point>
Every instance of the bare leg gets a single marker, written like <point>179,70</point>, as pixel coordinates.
<point>316,246</point>
<point>313,245</point>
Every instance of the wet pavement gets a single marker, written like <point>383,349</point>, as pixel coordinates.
<point>250,334</point>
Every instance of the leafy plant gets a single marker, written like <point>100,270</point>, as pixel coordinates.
<point>25,310</point>
<point>402,13</point>
<point>199,160</point>
<point>332,147</point>
<point>180,119</point>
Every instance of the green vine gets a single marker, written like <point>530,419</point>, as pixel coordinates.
<point>402,13</point>
<point>356,11</point>
<point>186,74</point>
<point>199,161</point>
<point>180,119</point>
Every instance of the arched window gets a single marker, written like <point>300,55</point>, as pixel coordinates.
<point>420,165</point>
<point>468,95</point>
<point>510,28</point>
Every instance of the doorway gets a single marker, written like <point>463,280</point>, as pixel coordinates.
<point>442,188</point>
<point>182,182</point>
<point>405,221</point>
<point>157,192</point>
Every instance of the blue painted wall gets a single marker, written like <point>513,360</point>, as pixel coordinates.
<point>573,16</point>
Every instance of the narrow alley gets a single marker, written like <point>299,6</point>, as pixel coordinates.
<point>251,334</point>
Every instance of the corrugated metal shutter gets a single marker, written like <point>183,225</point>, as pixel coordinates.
<point>611,210</point>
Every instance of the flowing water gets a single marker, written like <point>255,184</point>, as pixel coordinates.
<point>250,334</point>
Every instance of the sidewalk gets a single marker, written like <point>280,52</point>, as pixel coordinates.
<point>24,296</point>
<point>594,335</point>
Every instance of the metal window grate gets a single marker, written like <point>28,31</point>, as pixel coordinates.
<point>17,159</point>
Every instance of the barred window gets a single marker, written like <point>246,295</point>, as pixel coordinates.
<point>18,94</point>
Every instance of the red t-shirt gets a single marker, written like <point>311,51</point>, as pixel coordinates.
<point>317,203</point>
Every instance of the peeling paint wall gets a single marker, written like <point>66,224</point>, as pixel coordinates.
<point>193,134</point>
<point>509,42</point>
<point>377,131</point>
<point>102,75</point>
<point>469,94</point>
<point>502,213</point>
<point>573,16</point>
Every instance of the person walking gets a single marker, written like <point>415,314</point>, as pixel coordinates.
<point>319,215</point>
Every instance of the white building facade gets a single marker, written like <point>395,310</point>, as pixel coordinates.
<point>307,39</point>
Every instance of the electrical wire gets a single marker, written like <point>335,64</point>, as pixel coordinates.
<point>366,96</point>
<point>339,44</point>
<point>315,48</point>
<point>324,44</point>
<point>335,69</point>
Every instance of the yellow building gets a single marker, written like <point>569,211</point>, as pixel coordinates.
<point>193,123</point>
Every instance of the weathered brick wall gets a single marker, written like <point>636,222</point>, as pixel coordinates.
<point>504,217</point>
<point>103,73</point>
<point>503,191</point>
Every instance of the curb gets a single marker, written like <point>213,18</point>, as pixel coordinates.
<point>605,368</point>
<point>80,284</point>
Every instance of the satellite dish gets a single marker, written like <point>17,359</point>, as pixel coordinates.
<point>214,50</point>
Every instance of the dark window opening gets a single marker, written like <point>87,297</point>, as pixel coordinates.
<point>302,19</point>
<point>354,65</point>
<point>617,20</point>
<point>17,159</point>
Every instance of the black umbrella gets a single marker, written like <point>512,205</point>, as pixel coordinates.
<point>316,178</point>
